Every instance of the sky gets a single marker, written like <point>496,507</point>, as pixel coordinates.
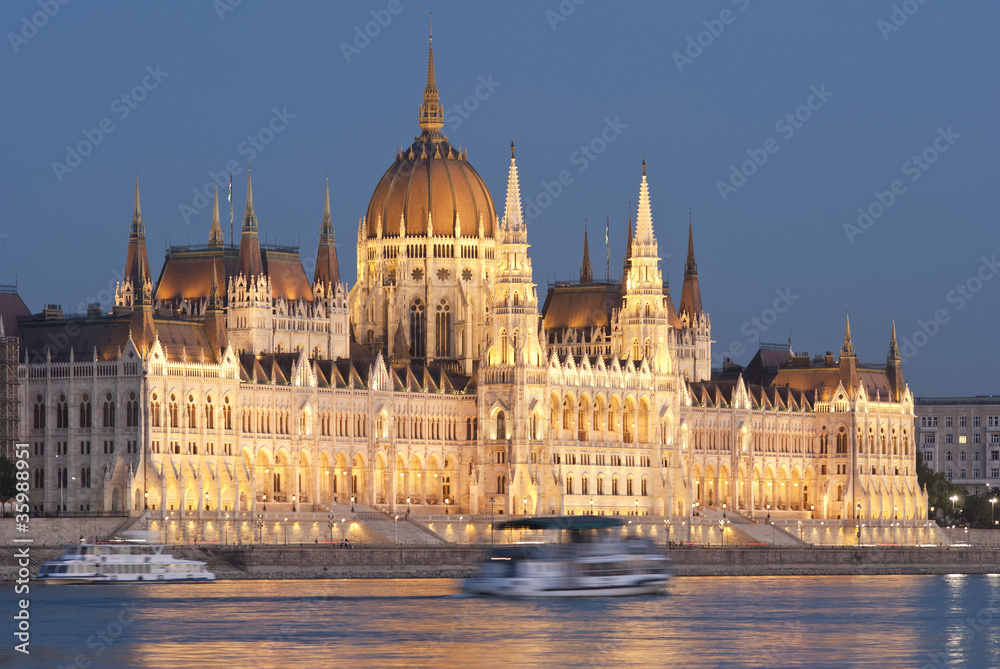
<point>833,157</point>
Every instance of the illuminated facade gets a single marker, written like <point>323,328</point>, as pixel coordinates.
<point>235,383</point>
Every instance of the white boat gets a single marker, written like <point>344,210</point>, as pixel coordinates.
<point>120,563</point>
<point>592,563</point>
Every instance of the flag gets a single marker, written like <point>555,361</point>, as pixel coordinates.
<point>230,189</point>
<point>607,231</point>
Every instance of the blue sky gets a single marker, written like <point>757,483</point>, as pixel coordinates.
<point>892,110</point>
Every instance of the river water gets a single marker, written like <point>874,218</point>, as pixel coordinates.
<point>814,621</point>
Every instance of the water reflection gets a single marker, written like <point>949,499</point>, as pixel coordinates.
<point>733,621</point>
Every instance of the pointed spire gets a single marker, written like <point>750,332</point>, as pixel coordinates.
<point>893,346</point>
<point>249,262</point>
<point>431,116</point>
<point>644,217</point>
<point>327,219</point>
<point>137,227</point>
<point>327,271</point>
<point>136,242</point>
<point>691,288</point>
<point>628,248</point>
<point>513,216</point>
<point>586,272</point>
<point>848,348</point>
<point>690,267</point>
<point>249,218</point>
<point>215,236</point>
<point>213,295</point>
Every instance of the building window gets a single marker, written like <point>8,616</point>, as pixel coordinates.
<point>600,485</point>
<point>976,438</point>
<point>442,323</point>
<point>501,485</point>
<point>40,477</point>
<point>995,473</point>
<point>947,421</point>
<point>961,474</point>
<point>961,456</point>
<point>585,485</point>
<point>961,421</point>
<point>928,456</point>
<point>569,485</point>
<point>961,438</point>
<point>86,413</point>
<point>39,414</point>
<point>947,456</point>
<point>948,474</point>
<point>975,473</point>
<point>418,327</point>
<point>85,477</point>
<point>108,413</point>
<point>948,438</point>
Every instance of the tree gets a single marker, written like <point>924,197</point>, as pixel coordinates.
<point>940,490</point>
<point>8,479</point>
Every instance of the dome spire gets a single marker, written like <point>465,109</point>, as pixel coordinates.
<point>431,116</point>
<point>513,215</point>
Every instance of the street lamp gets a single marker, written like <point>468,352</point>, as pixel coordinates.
<point>637,507</point>
<point>812,510</point>
<point>492,520</point>
<point>145,504</point>
<point>407,506</point>
<point>993,501</point>
<point>953,498</point>
<point>225,539</point>
<point>723,509</point>
<point>285,528</point>
<point>396,528</point>
<point>524,501</point>
<point>293,503</point>
<point>260,528</point>
<point>206,501</point>
<point>331,521</point>
<point>352,503</point>
<point>446,503</point>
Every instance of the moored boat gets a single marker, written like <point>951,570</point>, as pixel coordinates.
<point>592,562</point>
<point>120,563</point>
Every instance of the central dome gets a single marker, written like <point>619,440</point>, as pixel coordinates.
<point>434,179</point>
<point>431,179</point>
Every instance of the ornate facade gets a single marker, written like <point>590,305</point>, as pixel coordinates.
<point>234,383</point>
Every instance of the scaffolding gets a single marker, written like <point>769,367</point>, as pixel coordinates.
<point>10,348</point>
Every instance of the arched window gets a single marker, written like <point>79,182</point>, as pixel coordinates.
<point>209,414</point>
<point>442,324</point>
<point>39,414</point>
<point>614,485</point>
<point>191,413</point>
<point>86,413</point>
<point>172,410</point>
<point>62,413</point>
<point>154,411</point>
<point>501,425</point>
<point>628,487</point>
<point>644,491</point>
<point>131,411</point>
<point>600,485</point>
<point>418,329</point>
<point>501,485</point>
<point>569,485</point>
<point>227,414</point>
<point>503,347</point>
<point>108,411</point>
<point>635,349</point>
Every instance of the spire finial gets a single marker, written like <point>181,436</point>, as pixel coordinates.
<point>512,149</point>
<point>644,165</point>
<point>690,267</point>
<point>431,115</point>
<point>586,272</point>
<point>513,217</point>
<point>249,218</point>
<point>327,229</point>
<point>848,347</point>
<point>137,227</point>
<point>215,236</point>
<point>893,346</point>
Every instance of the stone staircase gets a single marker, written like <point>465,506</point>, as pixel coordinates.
<point>402,530</point>
<point>745,531</point>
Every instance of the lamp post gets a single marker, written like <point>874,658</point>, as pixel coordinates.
<point>857,517</point>
<point>722,528</point>
<point>293,503</point>
<point>524,502</point>
<point>492,520</point>
<point>352,503</point>
<point>260,529</point>
<point>206,501</point>
<point>407,505</point>
<point>953,498</point>
<point>723,509</point>
<point>637,507</point>
<point>145,503</point>
<point>993,501</point>
<point>285,528</point>
<point>395,526</point>
<point>331,521</point>
<point>666,521</point>
<point>812,511</point>
<point>446,503</point>
<point>591,506</point>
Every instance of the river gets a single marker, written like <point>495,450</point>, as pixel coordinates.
<point>814,621</point>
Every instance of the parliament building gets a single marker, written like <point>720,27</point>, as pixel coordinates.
<point>235,383</point>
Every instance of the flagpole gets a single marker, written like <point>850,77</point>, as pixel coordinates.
<point>232,242</point>
<point>607,243</point>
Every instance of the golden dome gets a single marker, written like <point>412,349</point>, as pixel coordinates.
<point>431,178</point>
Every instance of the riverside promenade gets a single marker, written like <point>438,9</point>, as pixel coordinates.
<point>324,561</point>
